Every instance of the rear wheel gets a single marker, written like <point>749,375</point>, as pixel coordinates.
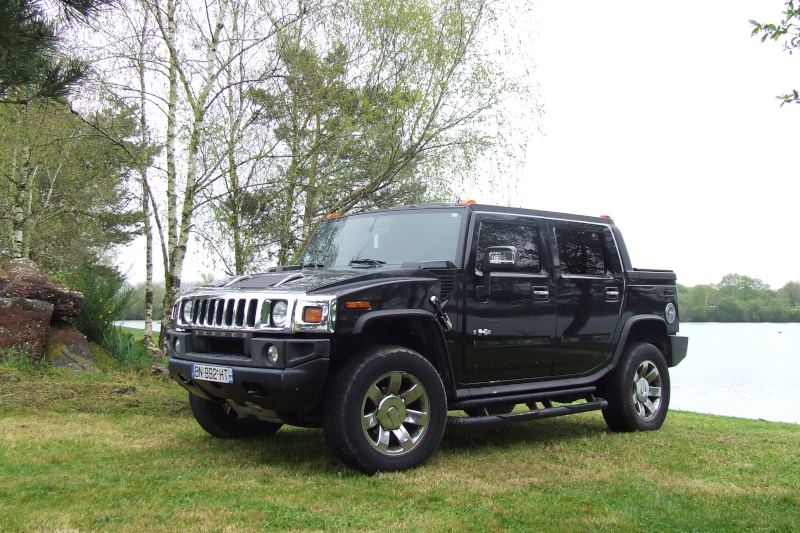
<point>385,410</point>
<point>638,391</point>
<point>221,421</point>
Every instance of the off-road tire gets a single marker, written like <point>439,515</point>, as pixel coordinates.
<point>385,410</point>
<point>638,391</point>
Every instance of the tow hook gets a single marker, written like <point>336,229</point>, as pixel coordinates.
<point>441,316</point>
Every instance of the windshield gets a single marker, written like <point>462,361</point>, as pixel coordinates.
<point>386,238</point>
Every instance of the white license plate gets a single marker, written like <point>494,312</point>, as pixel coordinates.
<point>220,374</point>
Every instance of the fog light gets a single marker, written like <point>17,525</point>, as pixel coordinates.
<point>272,355</point>
<point>178,346</point>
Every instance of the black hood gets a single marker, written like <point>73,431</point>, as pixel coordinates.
<point>313,279</point>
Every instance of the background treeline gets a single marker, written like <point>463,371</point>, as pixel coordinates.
<point>738,298</point>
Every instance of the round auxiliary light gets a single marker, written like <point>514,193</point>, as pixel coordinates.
<point>272,355</point>
<point>178,346</point>
<point>670,313</point>
<point>186,312</point>
<point>279,312</point>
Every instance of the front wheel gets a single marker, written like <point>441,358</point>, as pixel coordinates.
<point>638,391</point>
<point>385,410</point>
<point>221,421</point>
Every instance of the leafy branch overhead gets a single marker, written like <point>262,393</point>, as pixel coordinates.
<point>31,64</point>
<point>787,29</point>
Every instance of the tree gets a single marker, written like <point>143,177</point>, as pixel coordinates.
<point>62,187</point>
<point>375,104</point>
<point>31,66</point>
<point>787,29</point>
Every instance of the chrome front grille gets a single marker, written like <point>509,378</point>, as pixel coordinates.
<point>229,312</point>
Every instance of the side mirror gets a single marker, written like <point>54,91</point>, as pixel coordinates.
<point>499,258</point>
<point>495,258</point>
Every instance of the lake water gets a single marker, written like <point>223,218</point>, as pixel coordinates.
<point>741,370</point>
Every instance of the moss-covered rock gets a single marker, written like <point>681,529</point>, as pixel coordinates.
<point>68,348</point>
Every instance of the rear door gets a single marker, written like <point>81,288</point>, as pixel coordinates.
<point>510,331</point>
<point>589,288</point>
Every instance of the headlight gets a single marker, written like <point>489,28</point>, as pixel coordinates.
<point>186,312</point>
<point>279,312</point>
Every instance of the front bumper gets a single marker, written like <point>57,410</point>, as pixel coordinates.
<point>285,390</point>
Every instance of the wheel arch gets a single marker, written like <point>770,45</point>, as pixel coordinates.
<point>644,328</point>
<point>414,329</point>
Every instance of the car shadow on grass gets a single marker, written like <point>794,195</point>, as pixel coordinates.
<point>302,450</point>
<point>545,431</point>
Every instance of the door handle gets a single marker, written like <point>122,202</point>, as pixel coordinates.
<point>612,294</point>
<point>541,294</point>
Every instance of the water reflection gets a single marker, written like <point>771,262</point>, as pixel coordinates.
<point>740,370</point>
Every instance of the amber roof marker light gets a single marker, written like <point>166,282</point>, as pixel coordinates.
<point>467,202</point>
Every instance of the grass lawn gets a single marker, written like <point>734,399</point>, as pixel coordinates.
<point>121,452</point>
<point>138,334</point>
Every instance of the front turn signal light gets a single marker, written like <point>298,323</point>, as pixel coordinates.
<point>312,315</point>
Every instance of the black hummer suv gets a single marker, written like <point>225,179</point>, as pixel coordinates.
<point>398,321</point>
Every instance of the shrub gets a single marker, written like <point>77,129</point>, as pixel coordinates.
<point>104,301</point>
<point>125,348</point>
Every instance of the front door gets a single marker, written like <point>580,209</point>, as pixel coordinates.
<point>510,325</point>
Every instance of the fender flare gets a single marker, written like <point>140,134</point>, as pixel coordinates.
<point>441,359</point>
<point>626,330</point>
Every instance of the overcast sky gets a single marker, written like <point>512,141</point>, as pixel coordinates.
<point>662,115</point>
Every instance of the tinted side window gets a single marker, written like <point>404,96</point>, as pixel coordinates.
<point>580,252</point>
<point>524,238</point>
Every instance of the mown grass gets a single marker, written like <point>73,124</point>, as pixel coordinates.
<point>120,451</point>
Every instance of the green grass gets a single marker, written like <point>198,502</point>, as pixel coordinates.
<point>120,452</point>
<point>138,334</point>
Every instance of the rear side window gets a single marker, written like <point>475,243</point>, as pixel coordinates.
<point>524,238</point>
<point>580,252</point>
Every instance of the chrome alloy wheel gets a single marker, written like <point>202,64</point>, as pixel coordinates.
<point>395,413</point>
<point>646,390</point>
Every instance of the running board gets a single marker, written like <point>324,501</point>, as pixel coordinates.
<point>547,412</point>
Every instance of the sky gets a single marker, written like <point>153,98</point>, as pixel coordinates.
<point>661,115</point>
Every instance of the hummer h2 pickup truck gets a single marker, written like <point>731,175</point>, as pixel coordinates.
<point>399,321</point>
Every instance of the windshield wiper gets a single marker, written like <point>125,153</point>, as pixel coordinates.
<point>370,262</point>
<point>314,265</point>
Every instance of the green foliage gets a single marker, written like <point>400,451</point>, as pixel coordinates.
<point>31,65</point>
<point>738,298</point>
<point>63,188</point>
<point>787,29</point>
<point>22,360</point>
<point>105,299</point>
<point>126,349</point>
<point>369,104</point>
<point>136,310</point>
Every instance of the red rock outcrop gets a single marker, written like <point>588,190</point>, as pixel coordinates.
<point>22,278</point>
<point>31,306</point>
<point>68,347</point>
<point>24,324</point>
